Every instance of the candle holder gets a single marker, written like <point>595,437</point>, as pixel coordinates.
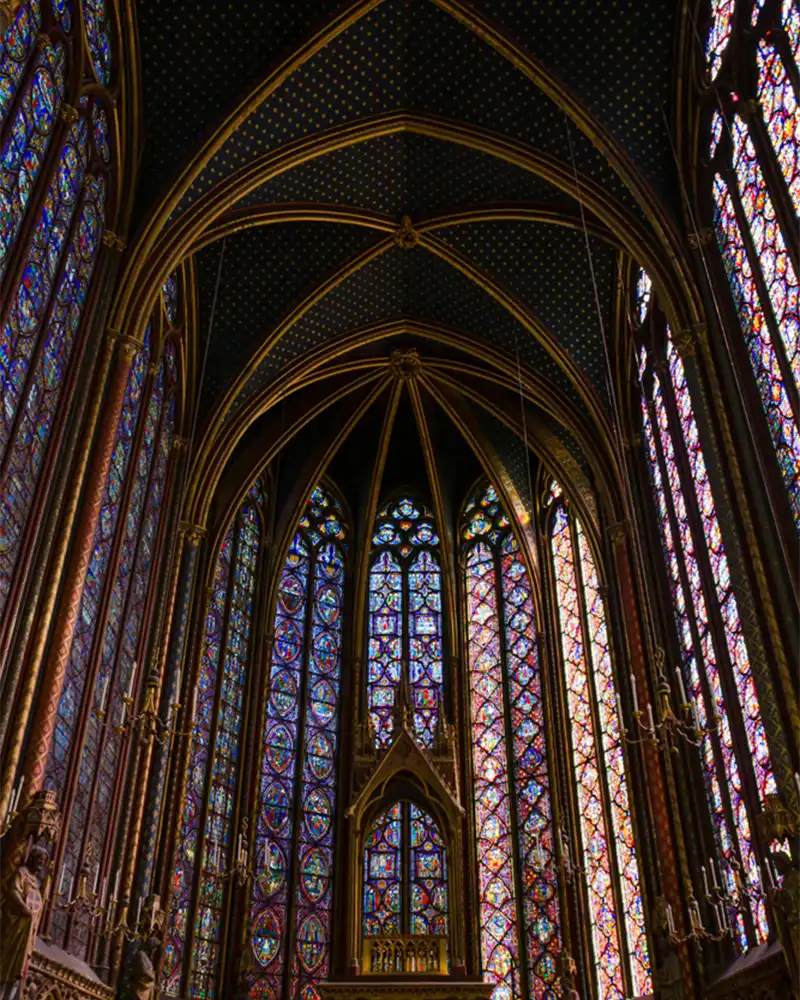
<point>151,724</point>
<point>664,731</point>
<point>240,871</point>
<point>697,931</point>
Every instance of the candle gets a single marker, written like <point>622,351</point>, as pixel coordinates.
<point>63,879</point>
<point>129,692</point>
<point>681,688</point>
<point>19,791</point>
<point>104,693</point>
<point>634,695</point>
<point>650,723</point>
<point>620,717</point>
<point>705,881</point>
<point>720,926</point>
<point>139,911</point>
<point>797,783</point>
<point>96,879</point>
<point>670,920</point>
<point>695,716</point>
<point>713,868</point>
<point>152,916</point>
<point>768,870</point>
<point>694,915</point>
<point>104,891</point>
<point>122,715</point>
<point>194,705</point>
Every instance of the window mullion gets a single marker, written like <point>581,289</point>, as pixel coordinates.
<point>752,115</point>
<point>712,599</point>
<point>512,785</point>
<point>297,805</point>
<point>790,383</point>
<point>702,672</point>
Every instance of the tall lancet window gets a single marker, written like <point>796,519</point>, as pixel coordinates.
<point>405,619</point>
<point>716,670</point>
<point>754,141</point>
<point>518,901</point>
<point>40,325</point>
<point>290,905</point>
<point>206,847</point>
<point>90,741</point>
<point>605,832</point>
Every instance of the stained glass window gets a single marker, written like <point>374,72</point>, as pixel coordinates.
<point>719,33</point>
<point>26,438</point>
<point>751,234</point>
<point>644,291</point>
<point>208,845</point>
<point>294,861</point>
<point>605,827</point>
<point>405,619</point>
<point>25,147</point>
<point>518,904</point>
<point>98,38</point>
<point>693,557</point>
<point>15,49</point>
<point>169,291</point>
<point>107,639</point>
<point>404,878</point>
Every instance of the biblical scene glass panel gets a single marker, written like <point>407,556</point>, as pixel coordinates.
<point>297,792</point>
<point>208,846</point>
<point>518,902</point>
<point>756,201</point>
<point>604,838</point>
<point>404,887</point>
<point>712,640</point>
<point>405,619</point>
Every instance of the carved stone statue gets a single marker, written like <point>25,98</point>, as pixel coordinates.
<point>145,963</point>
<point>787,900</point>
<point>668,978</point>
<point>19,920</point>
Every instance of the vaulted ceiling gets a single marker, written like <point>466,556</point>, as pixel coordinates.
<point>470,180</point>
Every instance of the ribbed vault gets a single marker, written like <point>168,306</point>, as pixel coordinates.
<point>431,175</point>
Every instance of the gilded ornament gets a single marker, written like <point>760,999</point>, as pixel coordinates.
<point>405,235</point>
<point>68,114</point>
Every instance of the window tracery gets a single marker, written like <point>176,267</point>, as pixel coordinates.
<point>15,49</point>
<point>518,903</point>
<point>405,619</point>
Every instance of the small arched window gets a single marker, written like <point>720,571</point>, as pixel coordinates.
<point>405,619</point>
<point>519,919</point>
<point>405,885</point>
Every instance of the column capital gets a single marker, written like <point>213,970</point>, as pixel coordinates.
<point>68,114</point>
<point>113,242</point>
<point>194,533</point>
